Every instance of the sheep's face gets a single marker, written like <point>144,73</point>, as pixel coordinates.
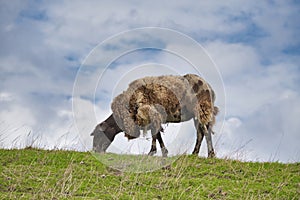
<point>103,137</point>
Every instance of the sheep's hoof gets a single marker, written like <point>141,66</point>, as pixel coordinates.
<point>211,154</point>
<point>195,152</point>
<point>152,152</point>
<point>164,152</point>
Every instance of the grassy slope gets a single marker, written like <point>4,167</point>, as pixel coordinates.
<point>40,174</point>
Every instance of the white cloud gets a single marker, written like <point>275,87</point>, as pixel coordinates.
<point>15,118</point>
<point>16,123</point>
<point>233,59</point>
<point>4,96</point>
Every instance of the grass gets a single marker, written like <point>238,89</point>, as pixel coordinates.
<point>42,174</point>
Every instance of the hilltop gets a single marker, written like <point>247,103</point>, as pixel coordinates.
<point>57,174</point>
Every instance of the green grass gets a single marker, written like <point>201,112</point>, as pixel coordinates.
<point>41,174</point>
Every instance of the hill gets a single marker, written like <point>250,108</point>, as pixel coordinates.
<point>42,174</point>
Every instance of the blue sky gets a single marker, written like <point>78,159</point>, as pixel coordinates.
<point>254,44</point>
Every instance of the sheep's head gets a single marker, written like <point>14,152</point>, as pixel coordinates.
<point>103,137</point>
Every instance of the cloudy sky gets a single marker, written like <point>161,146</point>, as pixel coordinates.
<point>50,47</point>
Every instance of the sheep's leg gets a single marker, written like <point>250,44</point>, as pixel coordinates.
<point>162,145</point>
<point>207,134</point>
<point>153,149</point>
<point>199,137</point>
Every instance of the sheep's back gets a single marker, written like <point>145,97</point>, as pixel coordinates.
<point>169,92</point>
<point>180,97</point>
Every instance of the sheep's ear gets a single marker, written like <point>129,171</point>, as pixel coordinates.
<point>103,126</point>
<point>92,134</point>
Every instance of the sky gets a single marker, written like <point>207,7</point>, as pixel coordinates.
<point>62,62</point>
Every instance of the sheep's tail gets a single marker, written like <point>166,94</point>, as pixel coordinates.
<point>211,124</point>
<point>216,110</point>
<point>204,109</point>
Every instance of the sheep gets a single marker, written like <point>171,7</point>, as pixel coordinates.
<point>152,101</point>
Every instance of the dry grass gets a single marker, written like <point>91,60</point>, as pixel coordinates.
<point>41,174</point>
